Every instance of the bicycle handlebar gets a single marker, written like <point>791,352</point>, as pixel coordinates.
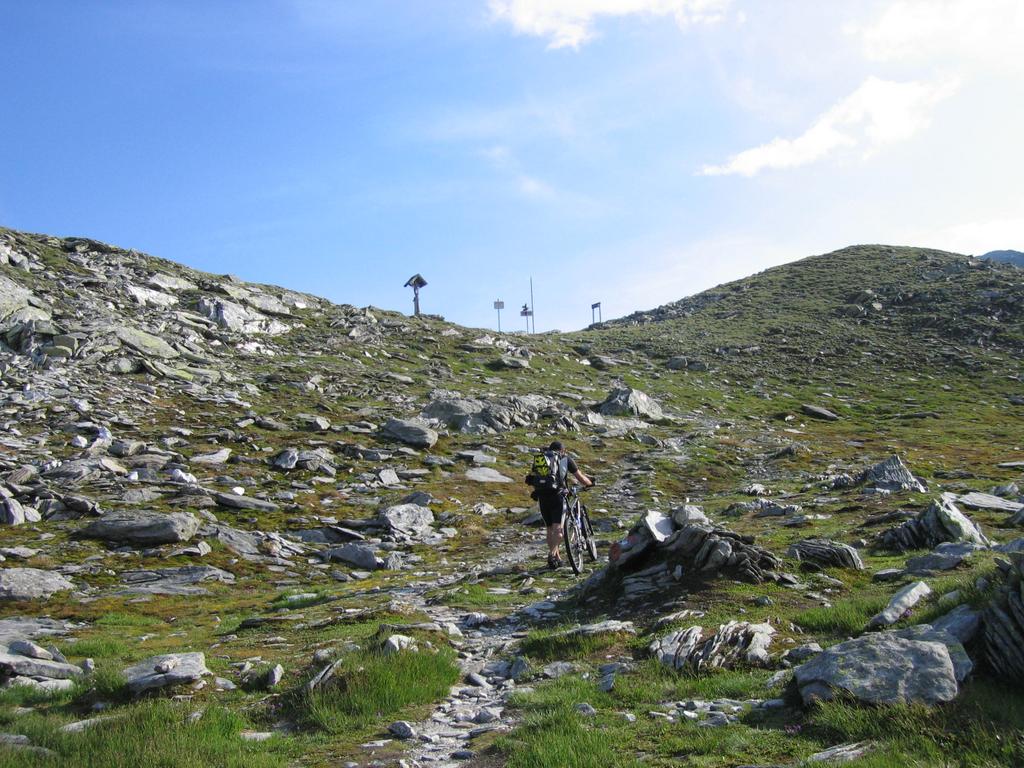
<point>578,487</point>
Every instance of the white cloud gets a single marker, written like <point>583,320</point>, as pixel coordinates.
<point>955,32</point>
<point>879,112</point>
<point>527,185</point>
<point>570,23</point>
<point>976,237</point>
<point>535,188</point>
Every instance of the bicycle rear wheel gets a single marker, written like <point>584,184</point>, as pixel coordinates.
<point>588,533</point>
<point>573,540</point>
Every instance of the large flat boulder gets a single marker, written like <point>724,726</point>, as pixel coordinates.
<point>17,665</point>
<point>183,580</point>
<point>880,669</point>
<point>487,475</point>
<point>238,501</point>
<point>358,555</point>
<point>977,500</point>
<point>412,432</point>
<point>28,628</point>
<point>410,519</point>
<point>31,584</point>
<point>146,343</point>
<point>626,401</point>
<point>165,671</point>
<point>12,297</point>
<point>142,528</point>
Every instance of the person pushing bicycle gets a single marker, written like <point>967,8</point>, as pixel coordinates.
<point>549,478</point>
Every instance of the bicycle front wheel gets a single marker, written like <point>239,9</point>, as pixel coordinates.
<point>573,540</point>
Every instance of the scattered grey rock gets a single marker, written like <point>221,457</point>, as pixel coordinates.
<point>402,730</point>
<point>891,475</point>
<point>880,669</point>
<point>1004,622</point>
<point>817,412</point>
<point>407,519</point>
<point>827,553</point>
<point>359,555</point>
<point>627,401</point>
<point>165,671</point>
<point>414,432</point>
<point>173,581</point>
<point>844,753</point>
<point>940,522</point>
<point>900,604</point>
<point>945,557</point>
<point>142,528</point>
<point>397,643</point>
<point>236,501</point>
<point>733,643</point>
<point>486,475</point>
<point>31,584</point>
<point>976,500</point>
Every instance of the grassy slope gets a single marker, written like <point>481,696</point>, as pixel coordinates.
<point>872,370</point>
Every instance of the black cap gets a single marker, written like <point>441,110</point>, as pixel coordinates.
<point>555,446</point>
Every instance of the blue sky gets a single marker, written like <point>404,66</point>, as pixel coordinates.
<point>624,151</point>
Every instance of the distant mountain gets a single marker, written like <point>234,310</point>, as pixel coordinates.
<point>1011,257</point>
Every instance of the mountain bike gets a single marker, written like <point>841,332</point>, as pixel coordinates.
<point>577,531</point>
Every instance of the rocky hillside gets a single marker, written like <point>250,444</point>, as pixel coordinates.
<point>852,304</point>
<point>241,525</point>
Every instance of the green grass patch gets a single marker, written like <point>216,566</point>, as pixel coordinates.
<point>966,585</point>
<point>557,644</point>
<point>154,733</point>
<point>301,599</point>
<point>555,735</point>
<point>119,619</point>
<point>371,687</point>
<point>983,727</point>
<point>475,597</point>
<point>846,617</point>
<point>652,682</point>
<point>97,648</point>
<point>563,739</point>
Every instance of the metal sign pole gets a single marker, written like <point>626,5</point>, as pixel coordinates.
<point>499,305</point>
<point>531,306</point>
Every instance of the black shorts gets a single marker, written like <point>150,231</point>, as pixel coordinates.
<point>551,506</point>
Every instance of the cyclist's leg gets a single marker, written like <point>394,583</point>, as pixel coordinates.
<point>551,508</point>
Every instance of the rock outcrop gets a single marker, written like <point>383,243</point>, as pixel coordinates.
<point>1004,622</point>
<point>696,548</point>
<point>731,644</point>
<point>940,522</point>
<point>891,475</point>
<point>827,553</point>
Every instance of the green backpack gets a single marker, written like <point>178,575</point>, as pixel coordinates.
<point>546,472</point>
